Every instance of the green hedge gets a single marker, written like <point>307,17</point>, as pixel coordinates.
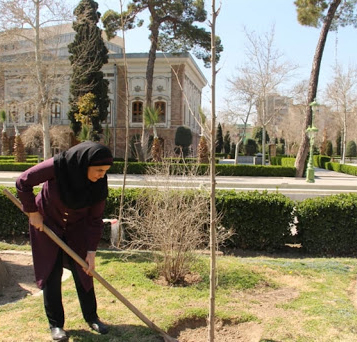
<point>255,170</point>
<point>268,230</point>
<point>328,225</point>
<point>6,166</point>
<point>202,169</point>
<point>288,162</point>
<point>320,161</point>
<point>343,168</point>
<point>260,221</point>
<point>12,221</point>
<point>180,169</point>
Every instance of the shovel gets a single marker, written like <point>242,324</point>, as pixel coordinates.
<point>96,275</point>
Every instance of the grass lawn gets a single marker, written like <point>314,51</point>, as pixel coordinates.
<point>288,299</point>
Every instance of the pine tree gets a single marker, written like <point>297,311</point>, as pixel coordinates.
<point>219,139</point>
<point>88,55</point>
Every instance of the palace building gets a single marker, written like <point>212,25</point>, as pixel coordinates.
<point>177,87</point>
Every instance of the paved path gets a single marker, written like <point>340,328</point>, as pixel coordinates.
<point>326,183</point>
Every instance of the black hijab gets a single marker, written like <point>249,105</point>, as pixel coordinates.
<point>71,167</point>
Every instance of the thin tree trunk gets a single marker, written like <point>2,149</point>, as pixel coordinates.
<point>314,79</point>
<point>344,137</point>
<point>263,144</point>
<point>126,135</point>
<point>45,131</point>
<point>212,299</point>
<point>43,96</point>
<point>149,80</point>
<point>237,151</point>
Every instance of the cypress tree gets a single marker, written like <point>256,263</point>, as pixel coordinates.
<point>351,149</point>
<point>219,139</point>
<point>88,55</point>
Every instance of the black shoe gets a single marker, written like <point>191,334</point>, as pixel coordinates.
<point>58,334</point>
<point>98,326</point>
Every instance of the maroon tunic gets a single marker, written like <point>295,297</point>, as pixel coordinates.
<point>81,228</point>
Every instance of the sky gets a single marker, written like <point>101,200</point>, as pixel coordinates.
<point>296,42</point>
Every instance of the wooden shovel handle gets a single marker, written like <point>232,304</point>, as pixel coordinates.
<point>96,275</point>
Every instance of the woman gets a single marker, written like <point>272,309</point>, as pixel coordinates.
<point>71,203</point>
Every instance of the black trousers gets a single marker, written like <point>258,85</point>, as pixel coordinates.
<point>52,295</point>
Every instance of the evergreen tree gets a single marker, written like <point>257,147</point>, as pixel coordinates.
<point>227,143</point>
<point>258,135</point>
<point>183,139</point>
<point>202,151</point>
<point>338,144</point>
<point>351,149</point>
<point>173,28</point>
<point>219,139</point>
<point>329,148</point>
<point>250,147</point>
<point>88,55</point>
<point>19,150</point>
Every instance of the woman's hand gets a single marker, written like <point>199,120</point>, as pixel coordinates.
<point>90,259</point>
<point>36,220</point>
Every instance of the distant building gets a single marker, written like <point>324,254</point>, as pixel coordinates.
<point>177,87</point>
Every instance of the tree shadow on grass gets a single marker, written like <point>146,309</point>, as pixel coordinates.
<point>117,333</point>
<point>109,255</point>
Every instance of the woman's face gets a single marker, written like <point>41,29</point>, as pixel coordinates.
<point>96,172</point>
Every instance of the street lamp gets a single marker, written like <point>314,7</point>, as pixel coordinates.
<point>311,132</point>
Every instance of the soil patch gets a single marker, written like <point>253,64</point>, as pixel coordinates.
<point>20,278</point>
<point>190,330</point>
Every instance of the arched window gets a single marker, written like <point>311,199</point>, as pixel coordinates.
<point>29,113</point>
<point>161,105</point>
<point>14,113</point>
<point>55,112</point>
<point>137,112</point>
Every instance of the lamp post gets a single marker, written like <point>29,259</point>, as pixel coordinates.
<point>311,132</point>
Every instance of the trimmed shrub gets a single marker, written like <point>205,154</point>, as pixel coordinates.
<point>255,170</point>
<point>14,223</point>
<point>351,149</point>
<point>183,139</point>
<point>320,161</point>
<point>260,221</point>
<point>250,147</point>
<point>288,162</point>
<point>327,225</point>
<point>12,166</point>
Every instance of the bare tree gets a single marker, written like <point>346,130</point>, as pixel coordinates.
<point>173,223</point>
<point>341,94</point>
<point>260,76</point>
<point>213,214</point>
<point>32,137</point>
<point>241,105</point>
<point>25,24</point>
